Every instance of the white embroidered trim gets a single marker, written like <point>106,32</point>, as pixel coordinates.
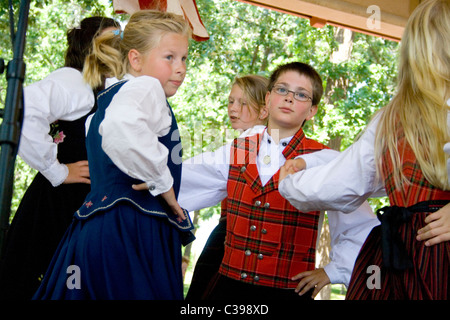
<point>159,213</point>
<point>109,88</point>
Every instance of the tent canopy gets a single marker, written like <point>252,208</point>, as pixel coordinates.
<point>382,18</point>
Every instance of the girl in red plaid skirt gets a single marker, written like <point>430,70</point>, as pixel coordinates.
<point>403,152</point>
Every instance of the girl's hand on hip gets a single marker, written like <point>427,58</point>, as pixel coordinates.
<point>169,197</point>
<point>78,172</point>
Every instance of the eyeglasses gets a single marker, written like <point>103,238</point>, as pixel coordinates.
<point>299,96</point>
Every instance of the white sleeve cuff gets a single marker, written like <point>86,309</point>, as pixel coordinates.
<point>57,173</point>
<point>332,271</point>
<point>163,184</point>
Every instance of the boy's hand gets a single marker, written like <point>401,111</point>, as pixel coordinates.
<point>291,166</point>
<point>437,229</point>
<point>316,279</point>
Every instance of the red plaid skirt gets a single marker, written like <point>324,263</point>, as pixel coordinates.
<point>426,279</point>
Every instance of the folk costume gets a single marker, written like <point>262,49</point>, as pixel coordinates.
<point>408,269</point>
<point>53,134</point>
<point>126,244</point>
<point>267,241</point>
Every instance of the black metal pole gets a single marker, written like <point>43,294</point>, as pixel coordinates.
<point>12,119</point>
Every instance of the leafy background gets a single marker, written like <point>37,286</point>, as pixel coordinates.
<point>358,70</point>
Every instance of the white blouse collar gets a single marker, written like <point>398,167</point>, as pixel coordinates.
<point>113,80</point>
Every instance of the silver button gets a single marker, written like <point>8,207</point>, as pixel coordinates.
<point>256,278</point>
<point>260,256</point>
<point>266,205</point>
<point>253,228</point>
<point>243,168</point>
<point>257,203</point>
<point>263,231</point>
<point>248,252</point>
<point>243,275</point>
<point>152,187</point>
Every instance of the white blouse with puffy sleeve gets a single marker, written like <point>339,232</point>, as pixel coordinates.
<point>62,95</point>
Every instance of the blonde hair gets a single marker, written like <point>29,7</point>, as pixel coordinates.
<point>254,88</point>
<point>143,32</point>
<point>419,109</point>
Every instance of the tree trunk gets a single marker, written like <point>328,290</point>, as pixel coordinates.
<point>323,257</point>
<point>344,37</point>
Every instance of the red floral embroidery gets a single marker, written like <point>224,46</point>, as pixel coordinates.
<point>58,137</point>
<point>89,204</point>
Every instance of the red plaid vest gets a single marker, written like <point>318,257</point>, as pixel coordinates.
<point>268,241</point>
<point>419,188</point>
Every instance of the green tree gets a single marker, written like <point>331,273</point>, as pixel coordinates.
<point>44,52</point>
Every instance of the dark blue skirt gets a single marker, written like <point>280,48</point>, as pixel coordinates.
<point>44,214</point>
<point>118,254</point>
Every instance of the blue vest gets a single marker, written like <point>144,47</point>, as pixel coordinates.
<point>109,185</point>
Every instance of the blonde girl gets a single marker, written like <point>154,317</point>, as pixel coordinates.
<point>246,105</point>
<point>125,243</point>
<point>402,153</point>
<point>246,111</point>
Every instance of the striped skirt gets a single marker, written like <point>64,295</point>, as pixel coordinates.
<point>421,275</point>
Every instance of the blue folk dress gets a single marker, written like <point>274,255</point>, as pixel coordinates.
<point>123,243</point>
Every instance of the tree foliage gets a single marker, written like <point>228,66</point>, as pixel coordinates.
<point>44,52</point>
<point>244,39</point>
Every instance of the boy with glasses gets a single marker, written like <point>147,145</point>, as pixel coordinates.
<point>269,244</point>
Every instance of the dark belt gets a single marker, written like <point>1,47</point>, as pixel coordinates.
<point>395,255</point>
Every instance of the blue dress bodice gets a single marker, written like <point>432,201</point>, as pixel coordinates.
<point>109,185</point>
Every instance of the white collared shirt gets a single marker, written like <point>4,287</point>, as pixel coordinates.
<point>62,95</point>
<point>270,157</point>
